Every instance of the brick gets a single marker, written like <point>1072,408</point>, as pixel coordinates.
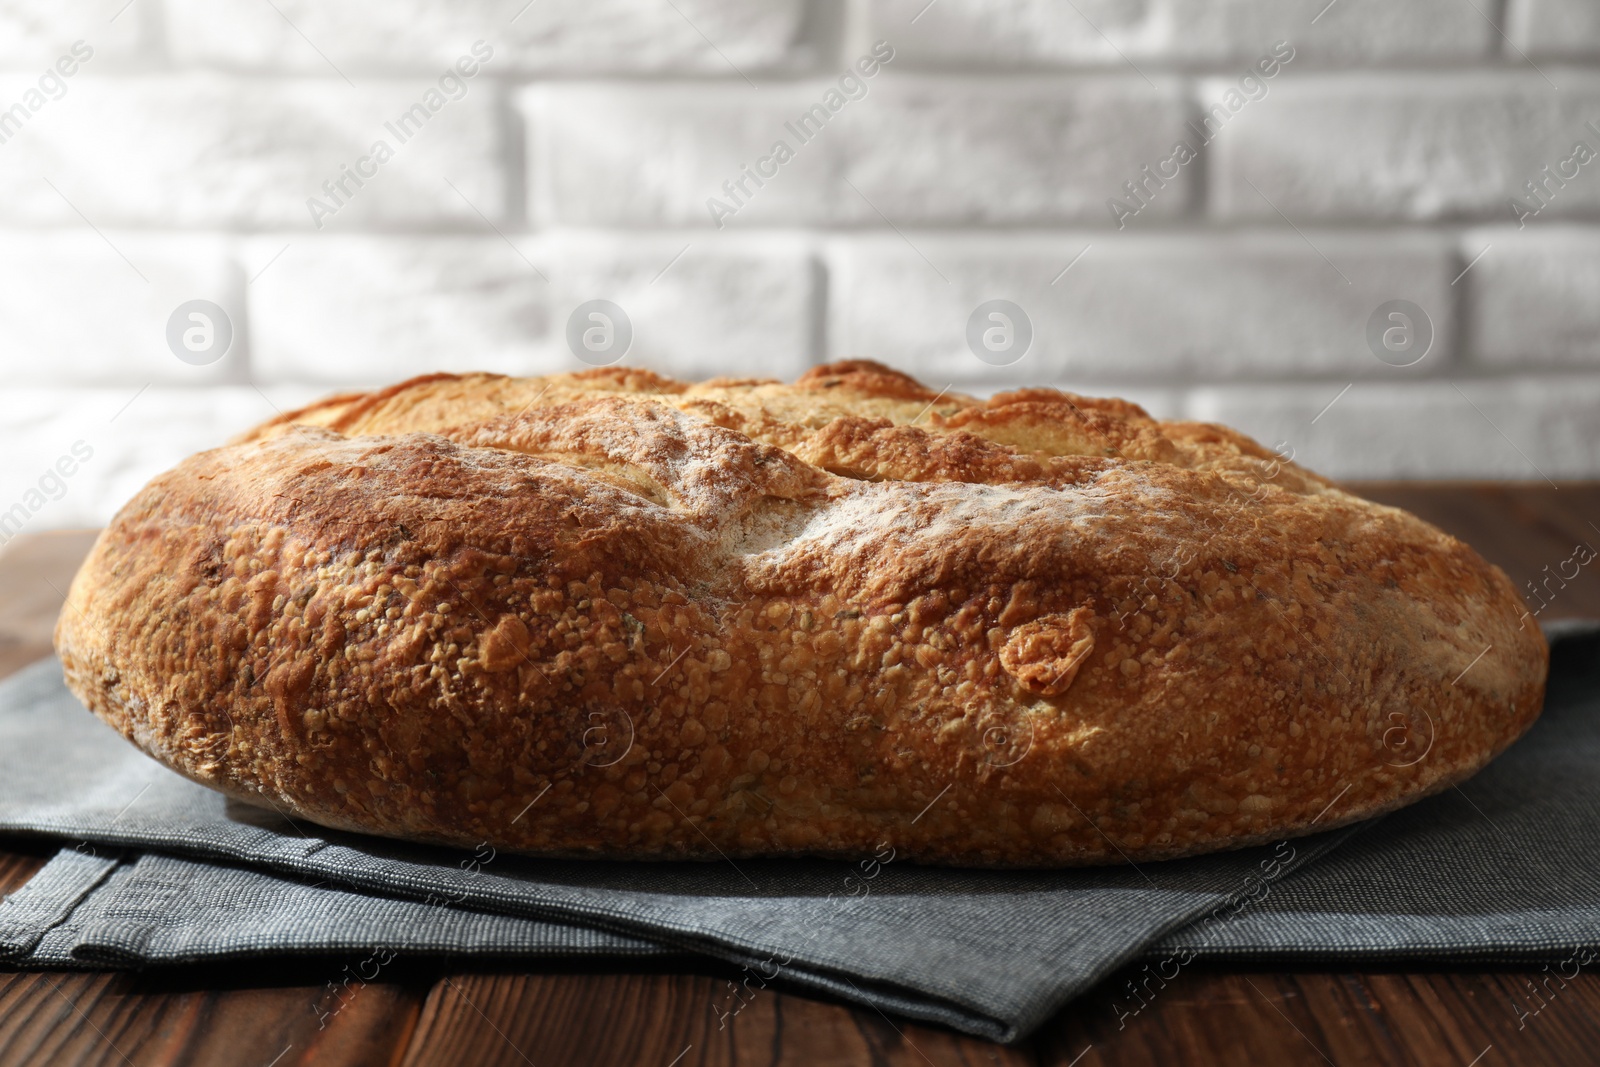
<point>76,311</point>
<point>1137,307</point>
<point>1403,146</point>
<point>200,150</point>
<point>744,307</point>
<point>371,310</point>
<point>1020,32</point>
<point>134,435</point>
<point>35,34</point>
<point>1423,429</point>
<point>1554,27</point>
<point>918,150</point>
<point>1531,297</point>
<point>722,37</point>
<point>360,311</point>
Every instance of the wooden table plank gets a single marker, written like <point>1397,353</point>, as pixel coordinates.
<point>565,1015</point>
<point>21,861</point>
<point>34,574</point>
<point>556,1020</point>
<point>204,1017</point>
<point>1342,1017</point>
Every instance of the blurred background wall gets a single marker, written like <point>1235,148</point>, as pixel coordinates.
<point>1339,157</point>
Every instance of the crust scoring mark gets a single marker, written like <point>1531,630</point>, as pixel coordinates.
<point>1044,655</point>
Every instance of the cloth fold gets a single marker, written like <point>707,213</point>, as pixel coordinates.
<point>1465,875</point>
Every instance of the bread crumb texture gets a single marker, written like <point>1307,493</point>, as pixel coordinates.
<point>610,614</point>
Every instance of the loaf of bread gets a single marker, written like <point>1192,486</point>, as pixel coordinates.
<point>614,615</point>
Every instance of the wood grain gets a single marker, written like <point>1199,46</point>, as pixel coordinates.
<point>34,574</point>
<point>579,1019</point>
<point>20,862</point>
<point>669,1015</point>
<point>119,1019</point>
<point>1348,1017</point>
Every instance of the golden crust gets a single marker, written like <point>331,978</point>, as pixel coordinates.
<point>615,615</point>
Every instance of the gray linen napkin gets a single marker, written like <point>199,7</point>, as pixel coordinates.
<point>990,952</point>
<point>86,909</point>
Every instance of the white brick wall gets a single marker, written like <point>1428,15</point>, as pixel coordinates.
<point>79,309</point>
<point>33,34</point>
<point>1556,27</point>
<point>550,36</point>
<point>1005,33</point>
<point>1184,307</point>
<point>1417,146</point>
<point>979,162</point>
<point>208,150</point>
<point>919,150</point>
<point>134,432</point>
<point>1533,299</point>
<point>1527,429</point>
<point>376,309</point>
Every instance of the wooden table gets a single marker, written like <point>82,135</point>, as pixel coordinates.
<point>662,1015</point>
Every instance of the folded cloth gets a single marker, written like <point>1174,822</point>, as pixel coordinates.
<point>993,953</point>
<point>88,910</point>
